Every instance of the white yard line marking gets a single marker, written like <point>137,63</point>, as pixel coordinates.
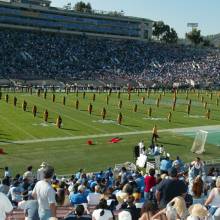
<point>78,111</point>
<point>73,119</point>
<point>175,130</point>
<point>19,128</point>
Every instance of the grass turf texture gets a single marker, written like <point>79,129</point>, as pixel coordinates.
<point>70,155</point>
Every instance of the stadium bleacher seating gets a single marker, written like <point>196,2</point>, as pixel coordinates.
<point>35,55</point>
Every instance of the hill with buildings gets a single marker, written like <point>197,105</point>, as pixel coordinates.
<point>214,39</point>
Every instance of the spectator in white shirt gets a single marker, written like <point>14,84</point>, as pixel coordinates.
<point>141,147</point>
<point>45,195</point>
<point>7,172</point>
<point>94,197</point>
<point>15,193</point>
<point>102,212</point>
<point>5,206</point>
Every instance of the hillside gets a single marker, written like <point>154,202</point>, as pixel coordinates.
<point>215,39</point>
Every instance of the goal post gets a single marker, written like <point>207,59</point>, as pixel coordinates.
<point>198,146</point>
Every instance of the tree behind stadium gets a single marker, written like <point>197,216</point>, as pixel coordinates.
<point>194,36</point>
<point>83,7</point>
<point>164,33</point>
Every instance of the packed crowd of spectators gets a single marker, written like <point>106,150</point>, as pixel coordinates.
<point>34,55</point>
<point>178,191</point>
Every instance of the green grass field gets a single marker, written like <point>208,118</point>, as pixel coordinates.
<point>28,140</point>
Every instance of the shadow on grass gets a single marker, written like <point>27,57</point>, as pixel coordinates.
<point>6,142</point>
<point>2,142</point>
<point>133,126</point>
<point>178,122</point>
<point>69,129</point>
<point>215,119</point>
<point>98,115</point>
<point>2,134</point>
<point>181,111</point>
<point>3,153</point>
<point>173,144</point>
<point>5,139</point>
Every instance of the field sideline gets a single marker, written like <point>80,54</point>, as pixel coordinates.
<point>26,139</point>
<point>175,130</point>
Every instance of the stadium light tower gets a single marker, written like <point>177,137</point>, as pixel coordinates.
<point>192,25</point>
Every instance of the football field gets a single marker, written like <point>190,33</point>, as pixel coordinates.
<point>28,140</point>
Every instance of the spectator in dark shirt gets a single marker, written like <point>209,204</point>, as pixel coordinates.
<point>130,207</point>
<point>79,214</point>
<point>170,188</point>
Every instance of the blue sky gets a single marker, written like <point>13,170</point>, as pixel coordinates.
<point>176,13</point>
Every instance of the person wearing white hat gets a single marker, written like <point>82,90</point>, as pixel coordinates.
<point>124,215</point>
<point>40,171</point>
<point>200,212</point>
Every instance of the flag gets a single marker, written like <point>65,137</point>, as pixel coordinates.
<point>115,140</point>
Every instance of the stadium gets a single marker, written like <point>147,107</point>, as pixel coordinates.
<point>113,112</point>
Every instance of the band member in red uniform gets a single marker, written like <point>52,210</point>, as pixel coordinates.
<point>34,110</point>
<point>90,108</point>
<point>119,119</point>
<point>103,113</point>
<point>59,121</point>
<point>46,115</point>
